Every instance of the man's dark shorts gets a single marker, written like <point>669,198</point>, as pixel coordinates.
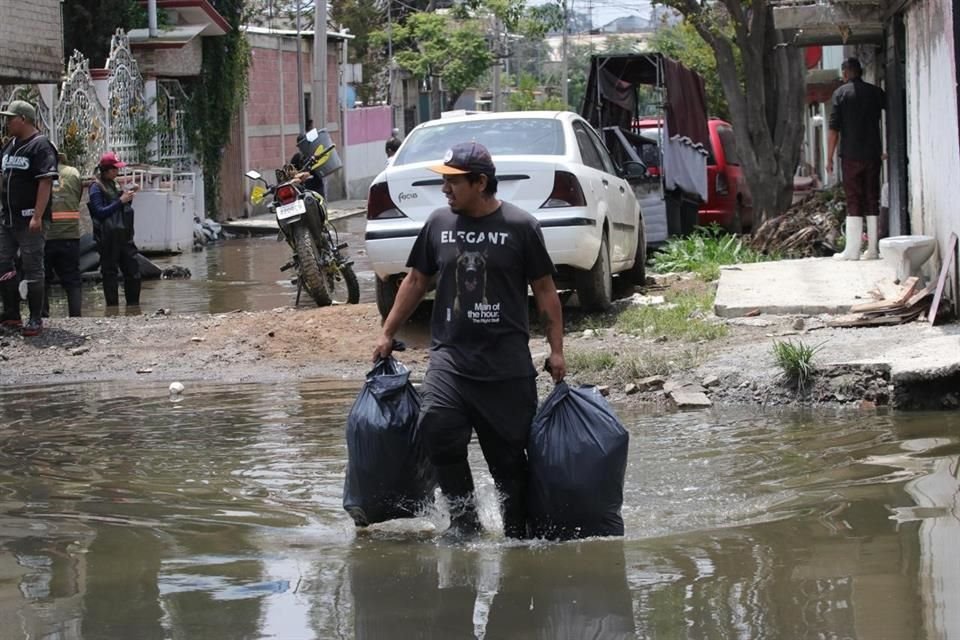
<point>861,186</point>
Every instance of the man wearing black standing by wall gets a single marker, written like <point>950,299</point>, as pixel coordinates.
<point>484,253</point>
<point>29,167</point>
<point>855,126</point>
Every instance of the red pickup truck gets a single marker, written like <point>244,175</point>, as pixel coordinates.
<point>729,203</point>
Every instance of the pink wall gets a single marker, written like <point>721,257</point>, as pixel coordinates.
<point>368,124</point>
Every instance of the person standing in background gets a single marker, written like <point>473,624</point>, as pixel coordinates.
<point>29,167</point>
<point>112,215</point>
<point>62,252</point>
<point>855,127</point>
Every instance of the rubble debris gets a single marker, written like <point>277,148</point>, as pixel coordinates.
<point>908,305</point>
<point>810,228</point>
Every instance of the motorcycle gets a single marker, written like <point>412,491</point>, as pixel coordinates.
<point>322,267</point>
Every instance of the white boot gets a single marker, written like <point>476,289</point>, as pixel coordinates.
<point>851,250</point>
<point>871,253</point>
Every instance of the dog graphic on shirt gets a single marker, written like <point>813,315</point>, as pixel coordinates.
<point>471,280</point>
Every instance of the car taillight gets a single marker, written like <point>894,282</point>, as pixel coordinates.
<point>380,205</point>
<point>723,188</point>
<point>286,194</point>
<point>566,192</point>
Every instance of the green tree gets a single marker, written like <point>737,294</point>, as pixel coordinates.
<point>524,96</point>
<point>217,95</point>
<point>459,46</point>
<point>440,47</point>
<point>682,42</point>
<point>764,93</point>
<point>88,25</point>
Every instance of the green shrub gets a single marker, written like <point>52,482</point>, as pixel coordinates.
<point>704,252</point>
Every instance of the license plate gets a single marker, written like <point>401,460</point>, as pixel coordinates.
<point>296,208</point>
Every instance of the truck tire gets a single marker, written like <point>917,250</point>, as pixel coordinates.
<point>595,286</point>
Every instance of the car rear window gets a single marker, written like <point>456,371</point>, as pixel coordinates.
<point>729,143</point>
<point>503,137</point>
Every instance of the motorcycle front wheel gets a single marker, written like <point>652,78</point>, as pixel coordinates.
<point>342,284</point>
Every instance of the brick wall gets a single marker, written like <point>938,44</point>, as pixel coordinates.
<point>31,48</point>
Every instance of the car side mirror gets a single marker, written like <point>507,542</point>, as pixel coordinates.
<point>633,170</point>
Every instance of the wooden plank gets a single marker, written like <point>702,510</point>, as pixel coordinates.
<point>942,279</point>
<point>906,291</point>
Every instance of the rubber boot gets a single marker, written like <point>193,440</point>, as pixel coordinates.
<point>111,291</point>
<point>74,301</point>
<point>851,250</point>
<point>872,239</point>
<point>456,482</point>
<point>10,293</point>
<point>131,291</point>
<point>36,295</point>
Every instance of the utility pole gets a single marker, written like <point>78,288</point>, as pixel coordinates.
<point>390,100</point>
<point>497,102</point>
<point>300,120</point>
<point>320,64</point>
<point>152,18</point>
<point>565,74</point>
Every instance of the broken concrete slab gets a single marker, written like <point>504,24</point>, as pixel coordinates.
<point>651,383</point>
<point>690,398</point>
<point>809,286</point>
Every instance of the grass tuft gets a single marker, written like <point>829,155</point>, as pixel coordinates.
<point>622,369</point>
<point>703,252</point>
<point>796,361</point>
<point>684,316</point>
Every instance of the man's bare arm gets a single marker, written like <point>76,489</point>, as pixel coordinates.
<point>551,316</point>
<point>412,290</point>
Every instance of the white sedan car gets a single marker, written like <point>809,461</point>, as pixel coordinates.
<point>552,164</point>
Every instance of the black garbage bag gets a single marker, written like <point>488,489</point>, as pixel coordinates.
<point>578,459</point>
<point>388,473</point>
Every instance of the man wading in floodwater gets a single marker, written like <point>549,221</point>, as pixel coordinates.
<point>484,252</point>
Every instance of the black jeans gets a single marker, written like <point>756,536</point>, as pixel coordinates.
<point>501,412</point>
<point>62,257</point>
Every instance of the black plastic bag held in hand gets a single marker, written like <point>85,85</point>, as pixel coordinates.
<point>578,459</point>
<point>388,474</point>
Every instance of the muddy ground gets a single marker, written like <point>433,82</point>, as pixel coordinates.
<point>288,343</point>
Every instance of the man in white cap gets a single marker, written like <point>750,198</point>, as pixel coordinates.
<point>29,168</point>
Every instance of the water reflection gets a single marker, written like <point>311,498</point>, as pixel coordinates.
<point>125,515</point>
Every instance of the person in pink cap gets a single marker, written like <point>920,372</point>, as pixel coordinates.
<point>112,214</point>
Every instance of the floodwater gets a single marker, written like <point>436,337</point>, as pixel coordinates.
<point>229,275</point>
<point>125,514</point>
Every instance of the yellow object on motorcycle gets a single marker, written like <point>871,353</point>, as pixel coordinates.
<point>321,155</point>
<point>257,194</point>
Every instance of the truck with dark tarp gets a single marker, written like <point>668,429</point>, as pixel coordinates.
<point>661,144</point>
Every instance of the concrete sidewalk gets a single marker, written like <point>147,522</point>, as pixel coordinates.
<point>915,352</point>
<point>810,286</point>
<point>267,223</point>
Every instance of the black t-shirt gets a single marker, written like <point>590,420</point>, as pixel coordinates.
<point>480,327</point>
<point>24,164</point>
<point>857,106</point>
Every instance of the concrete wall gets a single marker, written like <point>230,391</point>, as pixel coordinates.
<point>366,130</point>
<point>933,140</point>
<point>31,41</point>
